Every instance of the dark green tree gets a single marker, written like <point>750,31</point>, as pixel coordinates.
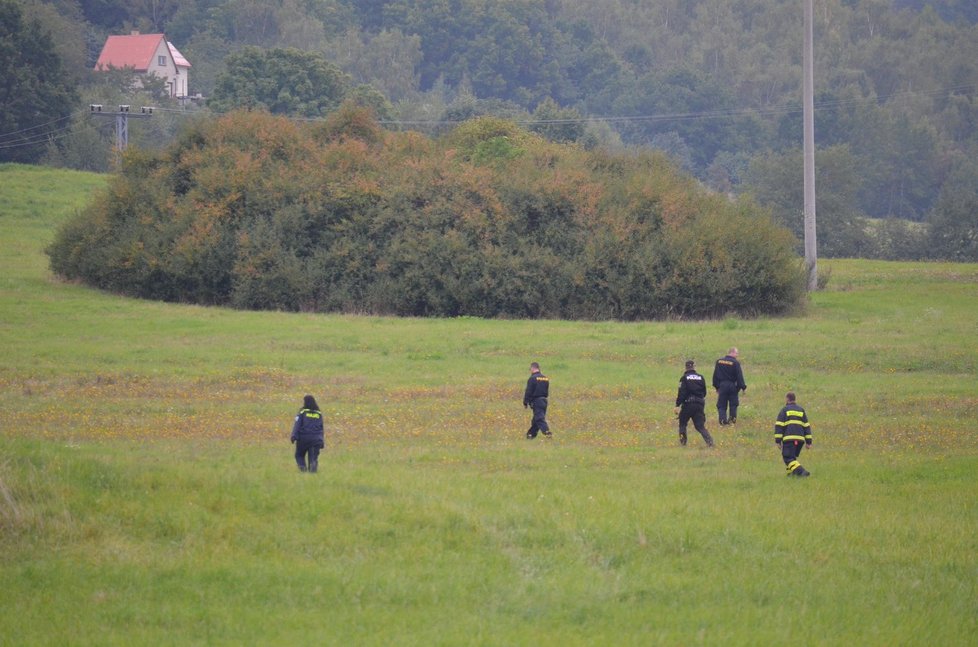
<point>953,224</point>
<point>776,182</point>
<point>950,10</point>
<point>281,81</point>
<point>69,33</point>
<point>37,95</point>
<point>190,17</point>
<point>588,68</point>
<point>387,60</point>
<point>105,13</point>
<point>506,50</point>
<point>562,125</point>
<point>687,106</point>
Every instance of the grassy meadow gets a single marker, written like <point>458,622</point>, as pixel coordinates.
<point>148,493</point>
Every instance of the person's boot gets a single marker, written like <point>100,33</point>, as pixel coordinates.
<point>313,466</point>
<point>302,468</point>
<point>795,469</point>
<point>707,437</point>
<point>682,438</point>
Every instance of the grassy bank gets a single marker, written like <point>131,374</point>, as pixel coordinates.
<point>147,493</point>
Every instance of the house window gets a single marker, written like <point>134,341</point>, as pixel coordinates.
<point>161,61</point>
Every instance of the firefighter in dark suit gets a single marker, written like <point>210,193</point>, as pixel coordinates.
<point>792,432</point>
<point>728,380</point>
<point>535,396</point>
<point>691,402</point>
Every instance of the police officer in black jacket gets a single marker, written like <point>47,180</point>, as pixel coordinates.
<point>307,435</point>
<point>535,397</point>
<point>690,403</point>
<point>728,380</point>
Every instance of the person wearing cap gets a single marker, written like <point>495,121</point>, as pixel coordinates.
<point>307,435</point>
<point>792,431</point>
<point>691,402</point>
<point>535,396</point>
<point>728,380</point>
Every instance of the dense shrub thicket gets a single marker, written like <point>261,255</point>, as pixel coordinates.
<point>256,211</point>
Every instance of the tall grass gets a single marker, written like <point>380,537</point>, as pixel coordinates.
<point>148,496</point>
<point>187,542</point>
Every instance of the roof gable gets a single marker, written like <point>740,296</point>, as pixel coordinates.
<point>136,51</point>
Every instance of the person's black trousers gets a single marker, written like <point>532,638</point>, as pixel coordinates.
<point>727,398</point>
<point>308,448</point>
<point>539,422</point>
<point>790,451</point>
<point>694,411</point>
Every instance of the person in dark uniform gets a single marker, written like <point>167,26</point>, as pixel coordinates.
<point>791,430</point>
<point>535,397</point>
<point>307,435</point>
<point>691,402</point>
<point>728,380</point>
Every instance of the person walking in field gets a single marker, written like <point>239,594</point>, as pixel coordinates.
<point>307,435</point>
<point>792,431</point>
<point>728,380</point>
<point>691,404</point>
<point>535,396</point>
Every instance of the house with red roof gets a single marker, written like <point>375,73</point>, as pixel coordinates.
<point>147,54</point>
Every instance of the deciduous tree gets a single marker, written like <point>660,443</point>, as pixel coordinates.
<point>281,81</point>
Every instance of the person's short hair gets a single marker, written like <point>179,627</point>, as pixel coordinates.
<point>733,350</point>
<point>309,402</point>
<point>790,396</point>
<point>535,365</point>
<point>689,363</point>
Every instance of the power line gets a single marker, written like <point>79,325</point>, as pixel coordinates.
<point>39,138</point>
<point>17,136</point>
<point>677,116</point>
<point>9,140</point>
<point>686,116</point>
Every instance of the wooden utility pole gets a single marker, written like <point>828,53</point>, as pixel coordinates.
<point>808,116</point>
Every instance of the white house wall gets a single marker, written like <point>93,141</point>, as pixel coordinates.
<point>175,79</point>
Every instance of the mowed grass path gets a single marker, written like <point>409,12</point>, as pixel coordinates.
<point>148,495</point>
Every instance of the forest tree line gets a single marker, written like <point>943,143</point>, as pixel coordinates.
<point>713,83</point>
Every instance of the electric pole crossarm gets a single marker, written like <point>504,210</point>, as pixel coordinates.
<point>122,118</point>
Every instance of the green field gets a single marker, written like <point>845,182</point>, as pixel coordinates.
<point>148,493</point>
